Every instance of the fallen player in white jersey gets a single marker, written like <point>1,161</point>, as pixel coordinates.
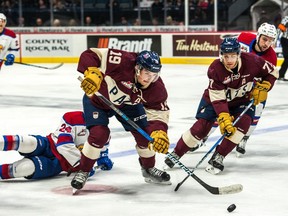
<point>47,156</point>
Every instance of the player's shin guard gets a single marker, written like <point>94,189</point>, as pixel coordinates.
<point>22,168</point>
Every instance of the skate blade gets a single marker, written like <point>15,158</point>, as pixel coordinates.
<point>212,170</point>
<point>75,191</point>
<point>238,154</point>
<point>166,167</point>
<point>150,181</point>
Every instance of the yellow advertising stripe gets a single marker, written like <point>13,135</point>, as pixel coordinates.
<point>164,60</point>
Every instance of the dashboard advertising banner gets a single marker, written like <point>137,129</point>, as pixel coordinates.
<point>196,45</point>
<point>131,43</point>
<point>43,45</point>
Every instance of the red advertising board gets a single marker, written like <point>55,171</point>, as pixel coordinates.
<point>196,45</point>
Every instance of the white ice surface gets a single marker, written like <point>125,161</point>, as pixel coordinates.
<point>33,101</point>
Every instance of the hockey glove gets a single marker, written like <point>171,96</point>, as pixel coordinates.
<point>92,80</point>
<point>260,92</point>
<point>9,59</point>
<point>104,162</point>
<point>160,141</point>
<point>226,124</point>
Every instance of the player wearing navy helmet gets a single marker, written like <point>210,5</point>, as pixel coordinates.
<point>231,81</point>
<point>259,44</point>
<point>131,82</point>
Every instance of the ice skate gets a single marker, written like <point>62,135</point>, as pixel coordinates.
<point>215,164</point>
<point>240,149</point>
<point>79,180</point>
<point>282,80</point>
<point>156,176</point>
<point>169,163</point>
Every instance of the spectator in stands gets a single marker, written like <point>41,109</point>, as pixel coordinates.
<point>137,22</point>
<point>72,22</point>
<point>198,17</point>
<point>115,8</point>
<point>170,21</point>
<point>56,23</point>
<point>42,5</point>
<point>39,22</point>
<point>124,21</point>
<point>21,22</point>
<point>178,10</point>
<point>155,22</point>
<point>7,9</point>
<point>157,10</point>
<point>88,21</point>
<point>58,6</point>
<point>210,12</point>
<point>193,4</point>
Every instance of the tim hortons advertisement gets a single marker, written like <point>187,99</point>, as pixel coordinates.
<point>129,43</point>
<point>196,45</point>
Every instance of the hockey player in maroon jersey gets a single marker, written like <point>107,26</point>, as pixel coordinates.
<point>261,45</point>
<point>231,81</point>
<point>9,43</point>
<point>47,156</point>
<point>132,82</point>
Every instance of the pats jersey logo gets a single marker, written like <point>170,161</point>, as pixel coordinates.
<point>227,80</point>
<point>128,84</point>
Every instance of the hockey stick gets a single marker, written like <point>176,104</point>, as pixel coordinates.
<point>38,66</point>
<point>214,190</point>
<point>215,145</point>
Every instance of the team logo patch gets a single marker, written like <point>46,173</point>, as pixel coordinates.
<point>227,80</point>
<point>82,132</point>
<point>95,115</point>
<point>128,84</point>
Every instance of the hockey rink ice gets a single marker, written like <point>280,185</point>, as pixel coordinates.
<point>33,100</point>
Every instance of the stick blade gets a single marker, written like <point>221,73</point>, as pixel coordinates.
<point>177,187</point>
<point>55,67</point>
<point>231,189</point>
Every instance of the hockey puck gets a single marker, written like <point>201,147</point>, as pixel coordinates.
<point>231,208</point>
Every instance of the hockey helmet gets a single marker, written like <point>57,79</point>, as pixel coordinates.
<point>2,16</point>
<point>149,60</point>
<point>268,30</point>
<point>230,45</point>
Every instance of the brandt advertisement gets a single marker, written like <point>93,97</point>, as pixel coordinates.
<point>131,43</point>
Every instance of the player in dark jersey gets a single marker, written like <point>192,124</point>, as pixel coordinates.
<point>47,156</point>
<point>231,81</point>
<point>261,45</point>
<point>132,82</point>
<point>283,36</point>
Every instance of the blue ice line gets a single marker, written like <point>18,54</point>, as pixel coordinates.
<point>172,145</point>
